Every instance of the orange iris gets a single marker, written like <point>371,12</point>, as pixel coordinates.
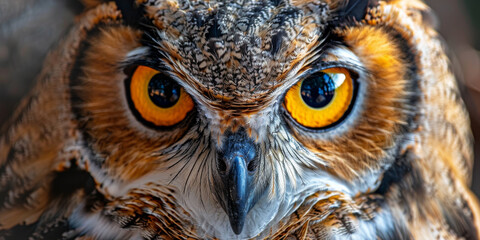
<point>321,99</point>
<point>158,98</point>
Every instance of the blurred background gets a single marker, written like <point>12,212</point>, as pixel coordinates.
<point>29,28</point>
<point>459,24</point>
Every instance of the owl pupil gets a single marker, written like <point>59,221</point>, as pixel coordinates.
<point>318,90</point>
<point>163,91</point>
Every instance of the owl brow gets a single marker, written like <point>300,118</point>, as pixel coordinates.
<point>310,59</point>
<point>154,62</point>
<point>315,60</point>
<point>155,56</point>
<point>147,54</point>
<point>130,64</point>
<point>332,42</point>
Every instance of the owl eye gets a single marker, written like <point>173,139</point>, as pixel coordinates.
<point>322,99</point>
<point>158,98</point>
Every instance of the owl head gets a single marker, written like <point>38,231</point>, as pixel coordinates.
<point>233,119</point>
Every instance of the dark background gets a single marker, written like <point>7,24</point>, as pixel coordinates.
<point>28,28</point>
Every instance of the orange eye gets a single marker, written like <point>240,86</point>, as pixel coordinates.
<point>322,99</point>
<point>158,98</point>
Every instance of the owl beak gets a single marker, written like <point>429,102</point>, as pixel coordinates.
<point>237,194</point>
<point>235,188</point>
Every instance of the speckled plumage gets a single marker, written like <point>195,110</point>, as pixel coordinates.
<point>76,162</point>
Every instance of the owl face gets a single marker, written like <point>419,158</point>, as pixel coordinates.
<point>250,119</point>
<point>242,109</point>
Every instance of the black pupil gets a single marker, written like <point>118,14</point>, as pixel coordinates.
<point>163,91</point>
<point>318,90</point>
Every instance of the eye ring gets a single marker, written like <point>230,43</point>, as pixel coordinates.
<point>323,99</point>
<point>157,98</point>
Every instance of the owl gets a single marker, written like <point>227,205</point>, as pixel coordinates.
<point>245,119</point>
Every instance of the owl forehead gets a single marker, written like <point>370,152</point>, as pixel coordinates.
<point>236,50</point>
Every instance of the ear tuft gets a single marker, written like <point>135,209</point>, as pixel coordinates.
<point>131,12</point>
<point>355,9</point>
